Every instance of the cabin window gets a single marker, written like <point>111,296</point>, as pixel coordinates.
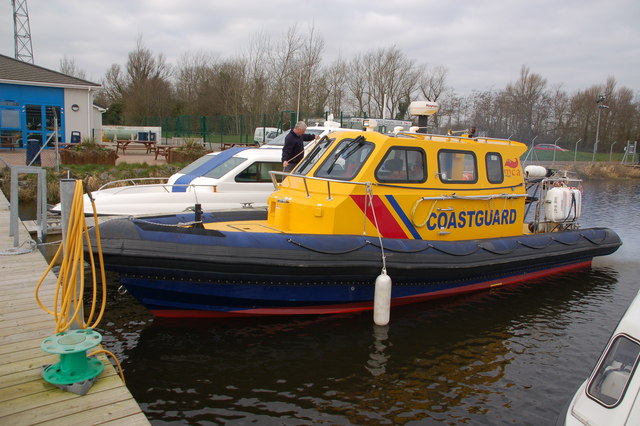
<point>259,172</point>
<point>495,173</point>
<point>457,166</point>
<point>402,165</point>
<point>608,384</point>
<point>346,159</point>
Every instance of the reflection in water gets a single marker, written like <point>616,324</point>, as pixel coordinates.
<point>443,361</point>
<point>377,358</point>
<point>511,355</point>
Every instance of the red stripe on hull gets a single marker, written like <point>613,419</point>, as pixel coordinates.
<point>489,284</point>
<point>387,224</point>
<point>363,306</point>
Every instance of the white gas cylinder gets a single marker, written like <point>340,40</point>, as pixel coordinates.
<point>563,204</point>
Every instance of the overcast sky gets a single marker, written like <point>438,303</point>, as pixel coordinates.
<point>483,43</point>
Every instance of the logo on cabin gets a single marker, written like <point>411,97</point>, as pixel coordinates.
<point>512,168</point>
<point>511,163</point>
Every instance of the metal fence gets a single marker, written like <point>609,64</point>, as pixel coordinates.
<point>228,128</point>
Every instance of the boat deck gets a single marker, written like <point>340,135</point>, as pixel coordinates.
<point>245,226</point>
<point>25,397</point>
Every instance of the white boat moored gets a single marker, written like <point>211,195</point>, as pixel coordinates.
<point>610,395</point>
<point>230,179</point>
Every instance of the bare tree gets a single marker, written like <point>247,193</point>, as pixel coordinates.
<point>68,66</point>
<point>433,82</point>
<point>526,96</point>
<point>390,77</point>
<point>265,81</point>
<point>257,78</point>
<point>357,85</point>
<point>193,78</point>
<point>432,85</point>
<point>624,118</point>
<point>284,67</point>
<point>148,89</point>
<point>142,65</point>
<point>560,117</point>
<point>113,84</point>
<point>312,85</point>
<point>336,78</point>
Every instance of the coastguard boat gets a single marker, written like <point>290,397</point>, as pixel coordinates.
<point>439,215</point>
<point>234,178</point>
<point>609,396</point>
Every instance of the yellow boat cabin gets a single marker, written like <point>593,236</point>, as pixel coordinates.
<point>405,185</point>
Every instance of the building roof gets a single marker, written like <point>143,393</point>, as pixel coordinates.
<point>18,72</point>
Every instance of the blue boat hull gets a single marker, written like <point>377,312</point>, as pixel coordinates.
<point>178,272</point>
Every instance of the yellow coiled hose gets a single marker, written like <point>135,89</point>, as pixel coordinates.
<point>68,299</point>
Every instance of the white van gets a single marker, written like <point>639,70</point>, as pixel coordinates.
<point>325,129</point>
<point>263,135</point>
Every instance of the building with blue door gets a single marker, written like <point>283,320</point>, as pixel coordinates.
<point>34,101</point>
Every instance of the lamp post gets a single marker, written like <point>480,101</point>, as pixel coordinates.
<point>530,149</point>
<point>611,151</point>
<point>298,108</point>
<point>575,151</point>
<point>555,143</point>
<point>601,106</point>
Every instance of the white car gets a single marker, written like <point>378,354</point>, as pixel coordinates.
<point>234,178</point>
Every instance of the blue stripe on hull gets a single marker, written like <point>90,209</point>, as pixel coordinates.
<point>190,298</point>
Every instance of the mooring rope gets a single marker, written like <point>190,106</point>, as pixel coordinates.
<point>375,221</point>
<point>13,251</point>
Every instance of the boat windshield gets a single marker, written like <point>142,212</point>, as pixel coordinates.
<point>346,160</point>
<point>214,170</point>
<point>224,167</point>
<point>199,162</point>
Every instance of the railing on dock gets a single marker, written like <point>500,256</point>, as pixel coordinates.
<point>41,196</point>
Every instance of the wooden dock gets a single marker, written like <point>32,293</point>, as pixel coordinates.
<point>25,397</point>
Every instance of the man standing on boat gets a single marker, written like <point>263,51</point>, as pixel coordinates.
<point>293,149</point>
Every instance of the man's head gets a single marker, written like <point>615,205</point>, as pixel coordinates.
<point>300,128</point>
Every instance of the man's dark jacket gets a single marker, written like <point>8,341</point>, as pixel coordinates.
<point>294,147</point>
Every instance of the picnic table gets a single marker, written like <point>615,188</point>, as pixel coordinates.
<point>67,145</point>
<point>163,150</point>
<point>226,146</point>
<point>148,146</point>
<point>9,141</point>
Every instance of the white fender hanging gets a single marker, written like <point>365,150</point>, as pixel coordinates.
<point>531,172</point>
<point>382,300</point>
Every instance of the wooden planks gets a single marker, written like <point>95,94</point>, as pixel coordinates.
<point>26,398</point>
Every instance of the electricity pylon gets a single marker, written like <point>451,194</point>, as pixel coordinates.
<point>22,31</point>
